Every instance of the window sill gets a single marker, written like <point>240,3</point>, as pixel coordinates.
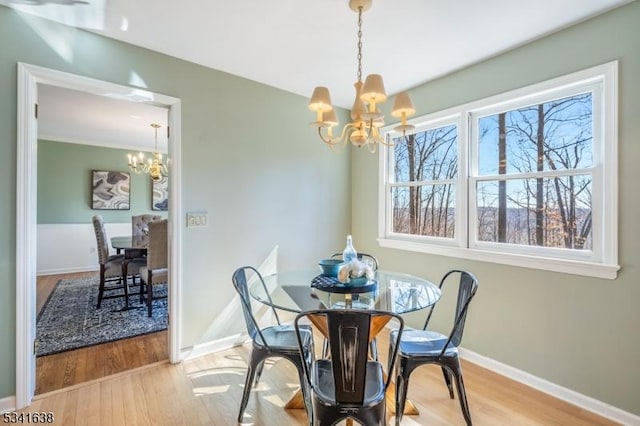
<point>575,267</point>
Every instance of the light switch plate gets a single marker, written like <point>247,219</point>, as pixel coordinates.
<point>197,220</point>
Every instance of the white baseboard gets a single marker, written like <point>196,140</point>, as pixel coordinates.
<point>7,404</point>
<point>213,346</point>
<point>66,271</point>
<point>557,391</point>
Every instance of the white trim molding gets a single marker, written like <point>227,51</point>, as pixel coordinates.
<point>7,404</point>
<point>29,77</point>
<point>572,397</point>
<point>598,259</point>
<point>214,346</point>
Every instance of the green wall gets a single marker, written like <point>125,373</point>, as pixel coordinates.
<point>262,175</point>
<point>64,183</point>
<point>577,332</point>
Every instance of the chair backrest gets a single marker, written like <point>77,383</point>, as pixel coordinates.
<point>241,284</point>
<point>157,250</point>
<point>349,332</point>
<point>101,239</point>
<point>361,256</point>
<point>140,224</point>
<point>467,287</point>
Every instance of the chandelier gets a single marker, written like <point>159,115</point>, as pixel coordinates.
<point>366,118</point>
<point>154,166</point>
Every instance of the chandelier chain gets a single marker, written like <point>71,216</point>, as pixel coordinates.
<point>360,43</point>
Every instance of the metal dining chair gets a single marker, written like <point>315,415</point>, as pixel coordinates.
<point>374,263</point>
<point>420,347</point>
<point>362,257</point>
<point>272,341</point>
<point>347,383</point>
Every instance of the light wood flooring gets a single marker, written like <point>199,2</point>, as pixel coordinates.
<point>69,368</point>
<point>207,391</point>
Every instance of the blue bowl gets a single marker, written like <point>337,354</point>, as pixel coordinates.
<point>330,267</point>
<point>356,282</point>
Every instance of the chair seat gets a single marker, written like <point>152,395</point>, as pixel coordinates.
<point>283,337</point>
<point>323,377</point>
<point>159,275</point>
<point>423,343</point>
<point>113,266</point>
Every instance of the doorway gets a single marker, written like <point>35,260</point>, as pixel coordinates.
<point>29,77</point>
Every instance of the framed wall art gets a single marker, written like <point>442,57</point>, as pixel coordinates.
<point>160,198</point>
<point>110,190</point>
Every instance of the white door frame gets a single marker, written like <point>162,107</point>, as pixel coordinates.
<point>29,76</point>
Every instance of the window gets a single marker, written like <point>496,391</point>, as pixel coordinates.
<point>527,178</point>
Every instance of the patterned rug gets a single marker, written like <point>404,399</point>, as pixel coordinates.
<point>69,319</point>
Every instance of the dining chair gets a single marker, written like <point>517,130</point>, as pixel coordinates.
<point>156,269</point>
<point>362,257</point>
<point>110,266</point>
<point>140,224</point>
<point>420,347</point>
<point>271,341</point>
<point>347,383</point>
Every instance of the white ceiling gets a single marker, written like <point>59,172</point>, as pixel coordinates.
<point>296,45</point>
<point>78,117</point>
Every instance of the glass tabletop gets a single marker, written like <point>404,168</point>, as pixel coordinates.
<point>129,242</point>
<point>395,292</point>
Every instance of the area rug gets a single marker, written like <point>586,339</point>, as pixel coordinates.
<point>69,319</point>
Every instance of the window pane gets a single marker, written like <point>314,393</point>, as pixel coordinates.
<point>424,210</point>
<point>427,155</point>
<point>548,212</point>
<point>555,135</point>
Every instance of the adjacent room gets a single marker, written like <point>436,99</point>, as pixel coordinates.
<point>351,212</point>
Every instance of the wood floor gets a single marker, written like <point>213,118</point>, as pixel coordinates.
<point>69,368</point>
<point>207,391</point>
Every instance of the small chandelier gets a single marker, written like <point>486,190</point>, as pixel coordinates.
<point>154,166</point>
<point>366,118</point>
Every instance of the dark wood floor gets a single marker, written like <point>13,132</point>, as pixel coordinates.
<point>69,368</point>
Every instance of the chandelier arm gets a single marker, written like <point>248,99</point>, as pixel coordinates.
<point>334,141</point>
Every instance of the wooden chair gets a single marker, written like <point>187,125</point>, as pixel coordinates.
<point>110,265</point>
<point>347,383</point>
<point>156,270</point>
<point>140,224</point>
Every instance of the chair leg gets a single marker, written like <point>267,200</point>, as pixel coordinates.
<point>101,288</point>
<point>247,391</point>
<point>325,348</point>
<point>142,284</point>
<point>149,295</point>
<point>462,394</point>
<point>447,380</point>
<point>373,349</point>
<point>402,386</point>
<point>258,373</point>
<point>306,393</point>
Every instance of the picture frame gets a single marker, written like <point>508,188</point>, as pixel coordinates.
<point>110,190</point>
<point>160,194</point>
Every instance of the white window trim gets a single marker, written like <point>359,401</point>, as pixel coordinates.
<point>602,263</point>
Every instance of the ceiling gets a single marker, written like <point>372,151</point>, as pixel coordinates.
<point>296,45</point>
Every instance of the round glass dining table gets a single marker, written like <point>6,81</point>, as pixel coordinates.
<point>393,292</point>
